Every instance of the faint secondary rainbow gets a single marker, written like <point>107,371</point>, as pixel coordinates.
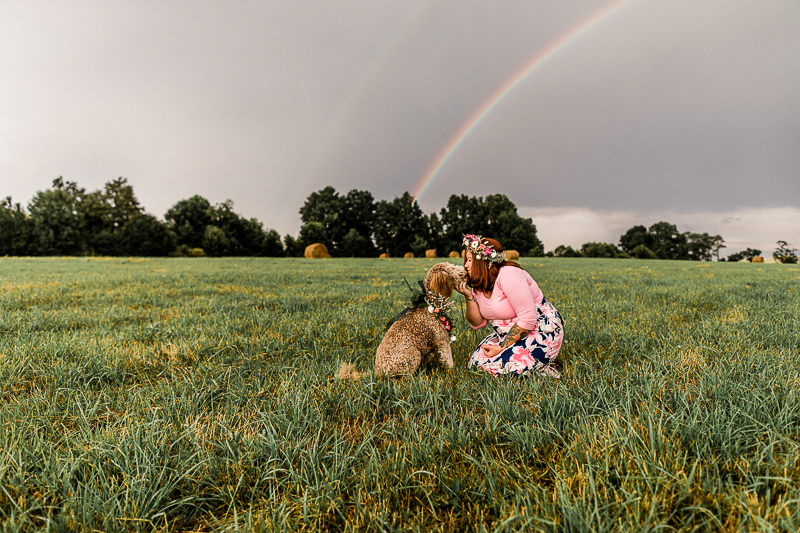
<point>500,94</point>
<point>332,132</point>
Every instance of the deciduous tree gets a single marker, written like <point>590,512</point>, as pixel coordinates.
<point>718,244</point>
<point>188,219</point>
<point>104,213</point>
<point>314,232</point>
<point>16,229</point>
<point>668,242</point>
<point>292,246</point>
<point>565,251</point>
<point>643,252</point>
<point>699,246</point>
<point>785,253</point>
<point>321,217</point>
<point>337,215</point>
<point>56,219</point>
<point>272,244</point>
<point>600,249</point>
<point>748,254</point>
<point>354,245</point>
<point>398,224</point>
<point>462,215</point>
<point>495,217</point>
<point>145,235</point>
<point>216,242</point>
<point>636,236</point>
<point>357,213</point>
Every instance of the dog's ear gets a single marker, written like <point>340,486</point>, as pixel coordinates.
<point>440,282</point>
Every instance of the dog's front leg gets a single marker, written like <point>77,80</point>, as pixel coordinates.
<point>446,355</point>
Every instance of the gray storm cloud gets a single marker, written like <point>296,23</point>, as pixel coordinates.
<point>668,106</point>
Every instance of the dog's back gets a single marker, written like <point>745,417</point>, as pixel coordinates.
<point>414,339</point>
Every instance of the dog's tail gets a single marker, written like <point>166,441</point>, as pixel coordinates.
<point>348,371</point>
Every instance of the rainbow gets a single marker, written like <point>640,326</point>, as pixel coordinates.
<point>506,88</point>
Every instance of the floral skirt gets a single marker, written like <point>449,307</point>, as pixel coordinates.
<point>535,353</point>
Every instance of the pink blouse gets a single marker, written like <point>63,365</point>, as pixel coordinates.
<point>515,297</point>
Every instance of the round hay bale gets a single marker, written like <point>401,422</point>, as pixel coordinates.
<point>408,255</point>
<point>512,255</point>
<point>316,251</point>
<point>430,254</point>
<point>383,256</point>
<point>758,259</point>
<point>454,255</point>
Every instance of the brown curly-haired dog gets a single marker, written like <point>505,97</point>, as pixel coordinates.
<point>418,337</point>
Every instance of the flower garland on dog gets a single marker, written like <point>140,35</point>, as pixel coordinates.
<point>441,307</point>
<point>437,305</point>
<point>481,250</point>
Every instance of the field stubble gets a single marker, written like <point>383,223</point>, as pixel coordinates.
<point>199,394</point>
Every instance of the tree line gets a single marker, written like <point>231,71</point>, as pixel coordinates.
<point>68,220</point>
<point>661,240</point>
<point>355,225</point>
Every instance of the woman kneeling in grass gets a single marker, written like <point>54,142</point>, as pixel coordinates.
<point>528,330</point>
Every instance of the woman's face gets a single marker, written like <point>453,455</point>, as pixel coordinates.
<point>468,263</point>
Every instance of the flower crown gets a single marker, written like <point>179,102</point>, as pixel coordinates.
<point>481,250</point>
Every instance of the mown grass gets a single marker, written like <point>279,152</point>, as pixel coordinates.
<point>199,394</point>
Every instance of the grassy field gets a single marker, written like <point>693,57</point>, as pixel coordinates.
<point>199,394</point>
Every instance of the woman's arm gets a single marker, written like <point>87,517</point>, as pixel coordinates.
<point>514,334</point>
<point>473,312</point>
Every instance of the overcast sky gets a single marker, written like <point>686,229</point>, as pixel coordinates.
<point>677,110</point>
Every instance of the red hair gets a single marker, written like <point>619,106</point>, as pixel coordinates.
<point>485,272</point>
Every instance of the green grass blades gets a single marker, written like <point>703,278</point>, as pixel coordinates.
<point>200,394</point>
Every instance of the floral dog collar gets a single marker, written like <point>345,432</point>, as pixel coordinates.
<point>440,307</point>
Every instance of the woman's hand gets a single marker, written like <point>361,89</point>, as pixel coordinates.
<point>491,350</point>
<point>472,311</point>
<point>464,289</point>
